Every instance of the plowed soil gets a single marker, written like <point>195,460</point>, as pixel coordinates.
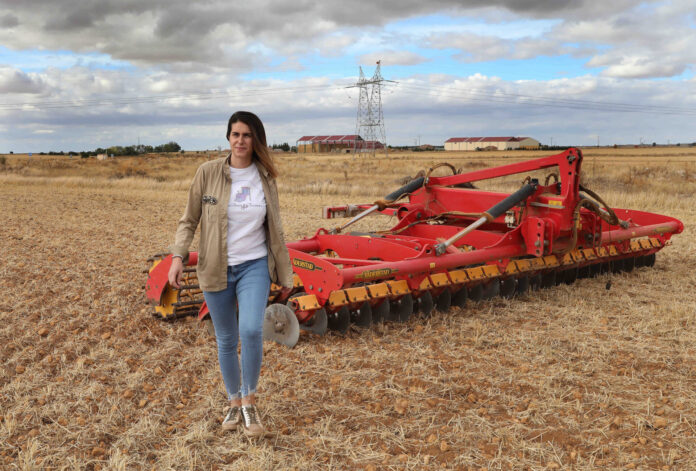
<point>600,374</point>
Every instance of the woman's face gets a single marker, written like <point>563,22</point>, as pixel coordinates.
<point>241,142</point>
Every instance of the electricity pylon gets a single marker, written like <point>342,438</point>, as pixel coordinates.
<point>370,122</point>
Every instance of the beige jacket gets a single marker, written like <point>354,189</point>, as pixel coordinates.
<point>207,203</point>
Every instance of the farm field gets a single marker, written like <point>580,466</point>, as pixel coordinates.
<point>573,377</point>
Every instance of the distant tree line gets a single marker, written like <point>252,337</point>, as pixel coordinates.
<point>284,147</point>
<point>169,147</point>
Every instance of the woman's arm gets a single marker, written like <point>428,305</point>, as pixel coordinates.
<point>188,223</point>
<point>186,229</point>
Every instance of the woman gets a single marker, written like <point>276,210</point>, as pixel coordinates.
<point>241,251</point>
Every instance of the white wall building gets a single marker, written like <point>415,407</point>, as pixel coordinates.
<point>491,143</point>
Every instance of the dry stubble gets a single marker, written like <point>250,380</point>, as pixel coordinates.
<point>572,377</point>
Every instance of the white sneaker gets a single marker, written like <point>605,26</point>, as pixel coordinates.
<point>233,419</point>
<point>251,423</point>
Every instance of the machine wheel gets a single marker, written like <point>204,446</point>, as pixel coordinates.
<point>425,304</point>
<point>507,288</point>
<point>362,317</point>
<point>629,263</point>
<point>459,298</point>
<point>340,320</point>
<point>380,312</point>
<point>444,301</point>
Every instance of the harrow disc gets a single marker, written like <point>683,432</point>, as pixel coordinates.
<point>584,272</point>
<point>380,312</point>
<point>507,288</point>
<point>491,289</point>
<point>548,279</point>
<point>616,266</point>
<point>476,293</point>
<point>570,275</point>
<point>535,282</point>
<point>318,324</point>
<point>595,269</point>
<point>650,260</point>
<point>340,320</point>
<point>444,301</point>
<point>209,327</point>
<point>425,304</point>
<point>280,325</point>
<point>401,310</point>
<point>362,317</point>
<point>459,298</point>
<point>522,285</point>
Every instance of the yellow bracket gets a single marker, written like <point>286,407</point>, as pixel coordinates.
<point>551,261</point>
<point>398,288</point>
<point>337,299</point>
<point>458,276</point>
<point>378,291</point>
<point>356,295</point>
<point>589,254</point>
<point>307,303</point>
<point>439,279</point>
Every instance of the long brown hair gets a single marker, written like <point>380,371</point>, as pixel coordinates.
<point>258,135</point>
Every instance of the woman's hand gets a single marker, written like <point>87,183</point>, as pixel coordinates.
<point>284,292</point>
<point>176,272</point>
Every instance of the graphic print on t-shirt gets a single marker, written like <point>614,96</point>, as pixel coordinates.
<point>246,192</point>
<point>243,194</point>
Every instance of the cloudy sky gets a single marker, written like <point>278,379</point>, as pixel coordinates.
<point>81,74</point>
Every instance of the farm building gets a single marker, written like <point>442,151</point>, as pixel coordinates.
<point>490,143</point>
<point>336,143</point>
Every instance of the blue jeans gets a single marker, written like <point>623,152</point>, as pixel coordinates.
<point>248,286</point>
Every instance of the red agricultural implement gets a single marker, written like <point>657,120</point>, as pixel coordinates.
<point>452,243</point>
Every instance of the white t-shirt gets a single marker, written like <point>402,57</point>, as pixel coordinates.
<point>246,213</point>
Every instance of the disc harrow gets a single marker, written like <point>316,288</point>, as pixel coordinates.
<point>453,244</point>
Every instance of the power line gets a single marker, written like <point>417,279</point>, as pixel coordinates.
<point>519,99</point>
<point>439,91</point>
<point>137,100</point>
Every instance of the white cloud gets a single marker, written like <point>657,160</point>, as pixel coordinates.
<point>434,106</point>
<point>16,81</point>
<point>195,52</point>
